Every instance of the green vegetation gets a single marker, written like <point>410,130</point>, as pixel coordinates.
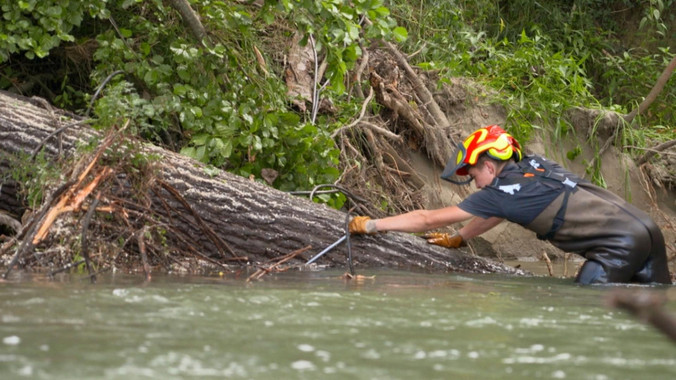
<point>546,57</point>
<point>34,175</point>
<point>216,101</point>
<point>223,100</point>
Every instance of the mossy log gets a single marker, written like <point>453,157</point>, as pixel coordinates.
<point>209,216</point>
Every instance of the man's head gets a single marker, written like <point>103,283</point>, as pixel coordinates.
<point>492,142</point>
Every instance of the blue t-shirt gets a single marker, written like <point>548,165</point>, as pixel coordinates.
<point>518,204</point>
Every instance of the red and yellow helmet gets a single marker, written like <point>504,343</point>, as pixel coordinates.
<point>492,140</point>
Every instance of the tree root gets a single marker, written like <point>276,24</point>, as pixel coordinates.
<point>417,120</point>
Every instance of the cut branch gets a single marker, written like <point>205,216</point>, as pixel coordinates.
<point>70,201</point>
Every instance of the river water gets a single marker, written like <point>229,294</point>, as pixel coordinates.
<point>316,325</point>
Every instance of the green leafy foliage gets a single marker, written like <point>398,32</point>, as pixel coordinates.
<point>545,58</point>
<point>213,101</point>
<point>34,27</point>
<point>338,27</point>
<point>217,99</point>
<point>223,100</point>
<point>536,83</point>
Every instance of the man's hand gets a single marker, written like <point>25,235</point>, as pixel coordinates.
<point>362,225</point>
<point>445,240</point>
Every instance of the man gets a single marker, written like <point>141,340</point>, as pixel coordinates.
<point>620,242</point>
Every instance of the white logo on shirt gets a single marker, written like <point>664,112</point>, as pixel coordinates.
<point>510,189</point>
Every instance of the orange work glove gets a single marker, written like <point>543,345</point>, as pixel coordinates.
<point>445,240</point>
<point>362,225</point>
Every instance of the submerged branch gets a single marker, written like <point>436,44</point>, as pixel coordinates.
<point>648,307</point>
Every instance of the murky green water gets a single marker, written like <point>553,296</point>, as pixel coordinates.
<point>306,325</point>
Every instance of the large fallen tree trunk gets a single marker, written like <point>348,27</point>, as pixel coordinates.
<point>208,216</point>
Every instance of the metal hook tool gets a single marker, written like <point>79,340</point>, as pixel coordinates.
<point>332,246</point>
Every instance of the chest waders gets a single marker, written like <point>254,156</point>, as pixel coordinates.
<point>620,242</point>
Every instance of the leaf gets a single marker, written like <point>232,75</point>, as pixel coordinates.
<point>180,89</point>
<point>197,111</point>
<point>200,139</point>
<point>353,31</point>
<point>223,129</point>
<point>226,150</point>
<point>188,151</point>
<point>656,14</point>
<point>352,53</point>
<point>524,37</point>
<point>257,143</point>
<point>400,34</point>
<point>200,153</point>
<point>216,143</point>
<point>382,11</point>
<point>151,77</point>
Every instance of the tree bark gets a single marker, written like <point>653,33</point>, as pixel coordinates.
<point>223,215</point>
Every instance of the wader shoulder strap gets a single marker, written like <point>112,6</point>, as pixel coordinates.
<point>536,169</point>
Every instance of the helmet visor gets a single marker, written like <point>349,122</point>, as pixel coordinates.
<point>456,166</point>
